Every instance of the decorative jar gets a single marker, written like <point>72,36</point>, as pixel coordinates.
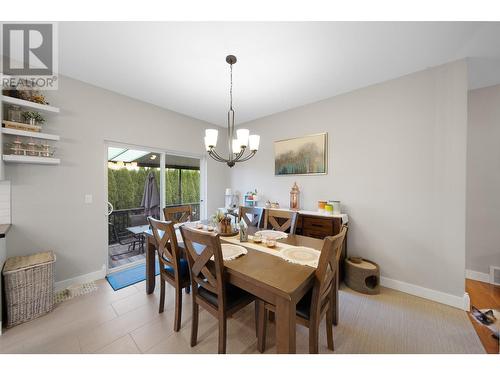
<point>14,113</point>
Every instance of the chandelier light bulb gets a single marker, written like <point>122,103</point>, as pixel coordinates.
<point>254,141</point>
<point>242,135</point>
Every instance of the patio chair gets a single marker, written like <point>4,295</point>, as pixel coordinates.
<point>138,220</point>
<point>130,241</point>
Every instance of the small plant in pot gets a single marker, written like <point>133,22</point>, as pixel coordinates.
<point>33,118</point>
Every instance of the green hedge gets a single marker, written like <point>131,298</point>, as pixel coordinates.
<point>125,187</point>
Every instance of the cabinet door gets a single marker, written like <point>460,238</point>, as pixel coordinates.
<point>317,226</point>
<point>314,233</point>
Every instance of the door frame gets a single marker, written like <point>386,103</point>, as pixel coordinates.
<point>163,153</point>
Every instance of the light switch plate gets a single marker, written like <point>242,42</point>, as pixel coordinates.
<point>88,198</point>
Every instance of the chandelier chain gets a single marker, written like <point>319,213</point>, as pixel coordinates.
<point>231,89</point>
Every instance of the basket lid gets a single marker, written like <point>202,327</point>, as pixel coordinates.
<point>17,263</point>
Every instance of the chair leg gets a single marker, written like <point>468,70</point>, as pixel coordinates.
<point>162,295</point>
<point>178,308</point>
<point>313,338</point>
<point>335,311</point>
<point>194,324</point>
<point>261,323</point>
<point>329,326</point>
<point>222,334</point>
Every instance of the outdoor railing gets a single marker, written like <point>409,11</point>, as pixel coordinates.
<point>121,218</point>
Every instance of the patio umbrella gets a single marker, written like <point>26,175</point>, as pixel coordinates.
<point>151,197</point>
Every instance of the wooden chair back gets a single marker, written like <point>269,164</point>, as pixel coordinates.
<point>206,265</point>
<point>166,245</point>
<point>179,214</point>
<point>251,215</point>
<point>289,224</point>
<point>326,273</point>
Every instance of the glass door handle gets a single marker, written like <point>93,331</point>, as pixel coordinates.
<point>110,208</point>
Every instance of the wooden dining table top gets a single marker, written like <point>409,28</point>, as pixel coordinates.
<point>272,270</point>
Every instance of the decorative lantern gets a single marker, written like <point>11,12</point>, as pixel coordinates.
<point>294,197</point>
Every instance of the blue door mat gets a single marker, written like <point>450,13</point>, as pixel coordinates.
<point>130,276</point>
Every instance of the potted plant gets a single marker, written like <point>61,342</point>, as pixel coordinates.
<point>222,223</point>
<point>33,118</point>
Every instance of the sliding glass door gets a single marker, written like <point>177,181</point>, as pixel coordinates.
<point>182,187</point>
<point>140,183</point>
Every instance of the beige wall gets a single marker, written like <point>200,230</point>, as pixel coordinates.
<point>397,157</point>
<point>48,209</point>
<point>483,180</point>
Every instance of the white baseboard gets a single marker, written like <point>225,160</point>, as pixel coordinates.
<point>92,276</point>
<point>431,294</point>
<point>478,276</point>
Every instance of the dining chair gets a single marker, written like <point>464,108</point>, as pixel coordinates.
<point>281,220</point>
<point>178,214</point>
<point>251,215</point>
<point>317,302</point>
<point>173,269</point>
<point>209,289</point>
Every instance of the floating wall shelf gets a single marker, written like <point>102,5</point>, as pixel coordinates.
<point>30,159</point>
<point>28,104</point>
<point>24,133</point>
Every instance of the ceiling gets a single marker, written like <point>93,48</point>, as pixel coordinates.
<point>150,159</point>
<point>181,65</point>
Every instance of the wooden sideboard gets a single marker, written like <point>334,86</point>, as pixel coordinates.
<point>318,226</point>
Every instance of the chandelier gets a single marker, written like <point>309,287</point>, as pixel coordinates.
<point>237,146</point>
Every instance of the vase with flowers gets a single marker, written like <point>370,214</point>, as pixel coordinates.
<point>222,223</point>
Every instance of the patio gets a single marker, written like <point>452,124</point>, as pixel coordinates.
<point>120,238</point>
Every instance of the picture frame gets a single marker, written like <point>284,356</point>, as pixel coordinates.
<point>301,156</point>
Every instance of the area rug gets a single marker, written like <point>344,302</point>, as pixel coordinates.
<point>74,291</point>
<point>130,276</point>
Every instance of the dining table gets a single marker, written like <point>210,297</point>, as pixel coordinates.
<point>268,277</point>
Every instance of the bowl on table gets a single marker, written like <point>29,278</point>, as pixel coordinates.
<point>271,242</point>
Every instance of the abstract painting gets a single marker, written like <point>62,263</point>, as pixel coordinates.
<point>304,155</point>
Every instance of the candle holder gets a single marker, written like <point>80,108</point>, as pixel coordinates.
<point>294,197</point>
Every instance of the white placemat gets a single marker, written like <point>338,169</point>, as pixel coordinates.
<point>231,251</point>
<point>305,256</point>
<point>269,233</point>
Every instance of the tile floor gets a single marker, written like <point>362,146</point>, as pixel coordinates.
<point>127,321</point>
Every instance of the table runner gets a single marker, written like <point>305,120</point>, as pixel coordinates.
<point>263,248</point>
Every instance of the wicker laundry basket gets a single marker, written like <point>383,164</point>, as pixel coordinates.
<point>29,286</point>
